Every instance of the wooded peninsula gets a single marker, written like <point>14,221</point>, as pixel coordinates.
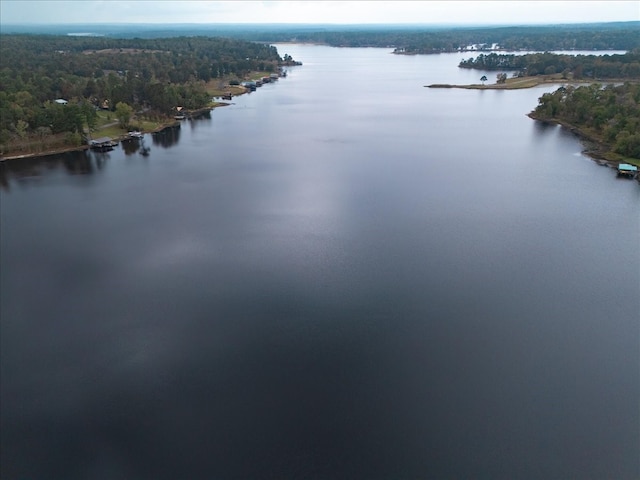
<point>607,115</point>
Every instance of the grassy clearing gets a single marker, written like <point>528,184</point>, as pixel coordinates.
<point>515,83</point>
<point>113,131</point>
<point>216,90</point>
<point>220,86</point>
<point>105,117</point>
<point>108,126</point>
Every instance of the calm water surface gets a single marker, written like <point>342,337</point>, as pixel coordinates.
<point>343,275</point>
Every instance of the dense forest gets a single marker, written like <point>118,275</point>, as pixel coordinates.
<point>154,75</point>
<point>625,37</point>
<point>425,39</point>
<point>574,66</point>
<point>405,39</point>
<point>432,39</point>
<point>608,113</point>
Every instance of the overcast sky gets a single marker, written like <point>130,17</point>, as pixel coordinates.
<point>337,12</point>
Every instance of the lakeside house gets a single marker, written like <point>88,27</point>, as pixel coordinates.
<point>480,47</point>
<point>180,113</point>
<point>61,101</point>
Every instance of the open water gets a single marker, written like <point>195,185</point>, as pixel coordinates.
<point>343,275</point>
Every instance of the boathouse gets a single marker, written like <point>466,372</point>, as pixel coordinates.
<point>102,143</point>
<point>250,85</point>
<point>624,169</point>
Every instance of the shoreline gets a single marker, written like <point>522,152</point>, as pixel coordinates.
<point>597,150</point>
<point>171,123</point>
<point>47,153</point>
<point>530,82</point>
<point>512,84</point>
<point>59,151</point>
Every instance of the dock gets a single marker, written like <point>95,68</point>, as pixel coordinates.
<point>102,144</point>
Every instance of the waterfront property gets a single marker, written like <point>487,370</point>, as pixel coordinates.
<point>102,143</point>
<point>627,170</point>
<point>180,113</point>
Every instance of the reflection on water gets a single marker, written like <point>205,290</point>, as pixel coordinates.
<point>130,145</point>
<point>202,120</point>
<point>83,162</point>
<point>544,127</point>
<point>134,145</point>
<point>168,137</point>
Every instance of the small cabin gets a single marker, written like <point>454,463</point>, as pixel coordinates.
<point>180,114</point>
<point>627,170</point>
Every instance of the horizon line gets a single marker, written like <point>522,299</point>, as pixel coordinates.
<point>415,24</point>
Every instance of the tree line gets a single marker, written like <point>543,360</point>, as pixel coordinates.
<point>154,75</point>
<point>418,39</point>
<point>430,39</point>
<point>621,66</point>
<point>611,112</point>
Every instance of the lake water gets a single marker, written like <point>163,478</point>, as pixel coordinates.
<point>343,275</point>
